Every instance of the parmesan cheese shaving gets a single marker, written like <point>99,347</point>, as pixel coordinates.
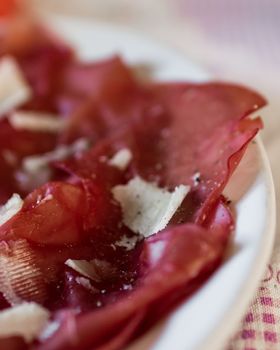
<point>85,282</point>
<point>26,320</point>
<point>14,90</point>
<point>35,169</point>
<point>85,268</point>
<point>36,121</point>
<point>33,164</point>
<point>128,243</point>
<point>10,208</point>
<point>121,159</point>
<point>96,270</point>
<point>147,208</point>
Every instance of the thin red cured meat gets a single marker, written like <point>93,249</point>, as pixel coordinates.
<point>14,146</point>
<point>170,263</point>
<point>13,343</point>
<point>41,58</point>
<point>209,124</point>
<point>178,131</point>
<point>105,101</point>
<point>181,256</point>
<point>56,211</point>
<point>193,134</point>
<point>62,213</point>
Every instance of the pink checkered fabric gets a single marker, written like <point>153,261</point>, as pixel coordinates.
<point>260,328</point>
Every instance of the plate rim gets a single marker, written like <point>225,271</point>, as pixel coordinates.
<point>232,317</point>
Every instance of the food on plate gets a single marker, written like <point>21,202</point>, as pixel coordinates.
<point>111,191</point>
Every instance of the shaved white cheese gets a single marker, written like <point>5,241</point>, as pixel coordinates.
<point>28,181</point>
<point>121,159</point>
<point>36,121</point>
<point>147,208</point>
<point>10,208</point>
<point>96,270</point>
<point>14,90</point>
<point>85,282</point>
<point>26,320</point>
<point>85,268</point>
<point>127,242</point>
<point>35,169</point>
<point>33,164</point>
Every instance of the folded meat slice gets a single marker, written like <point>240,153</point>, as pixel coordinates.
<point>57,222</point>
<point>60,213</point>
<point>13,146</point>
<point>170,261</point>
<point>41,58</point>
<point>50,215</point>
<point>109,78</point>
<point>208,135</point>
<point>191,134</point>
<point>99,98</point>
<point>177,134</point>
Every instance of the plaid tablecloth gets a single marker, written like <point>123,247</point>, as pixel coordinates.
<point>236,40</point>
<point>260,326</point>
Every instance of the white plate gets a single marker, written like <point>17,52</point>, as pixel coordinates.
<point>207,319</point>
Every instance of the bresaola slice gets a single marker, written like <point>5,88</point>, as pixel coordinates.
<point>176,131</point>
<point>14,146</point>
<point>56,209</point>
<point>161,284</point>
<point>93,96</point>
<point>169,260</point>
<point>39,57</point>
<point>170,135</point>
<point>108,105</point>
<point>197,128</point>
<point>107,79</point>
<point>63,213</point>
<point>208,122</point>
